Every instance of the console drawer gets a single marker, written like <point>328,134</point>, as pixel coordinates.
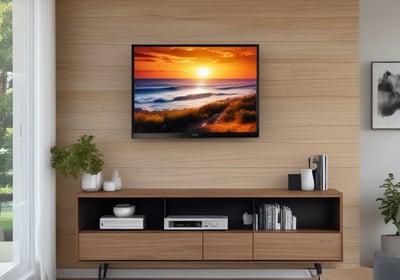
<point>228,245</point>
<point>307,246</point>
<point>120,245</point>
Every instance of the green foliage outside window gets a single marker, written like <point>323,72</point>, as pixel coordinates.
<point>6,130</point>
<point>6,94</point>
<point>6,35</point>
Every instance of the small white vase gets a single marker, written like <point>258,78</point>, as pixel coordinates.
<point>307,179</point>
<point>92,183</point>
<point>117,180</point>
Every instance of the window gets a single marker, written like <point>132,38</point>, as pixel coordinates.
<point>16,246</point>
<point>6,133</point>
<point>32,85</point>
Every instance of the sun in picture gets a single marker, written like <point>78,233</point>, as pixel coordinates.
<point>203,72</point>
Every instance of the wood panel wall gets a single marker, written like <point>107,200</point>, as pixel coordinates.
<point>309,97</point>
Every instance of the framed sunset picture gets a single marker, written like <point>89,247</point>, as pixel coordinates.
<point>195,90</point>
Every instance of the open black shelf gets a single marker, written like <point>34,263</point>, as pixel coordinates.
<point>311,213</point>
<point>231,207</point>
<point>315,213</point>
<point>91,209</point>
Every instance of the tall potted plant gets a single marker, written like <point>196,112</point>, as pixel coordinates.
<point>82,156</point>
<point>390,206</point>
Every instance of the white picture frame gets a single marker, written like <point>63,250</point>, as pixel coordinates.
<point>385,91</point>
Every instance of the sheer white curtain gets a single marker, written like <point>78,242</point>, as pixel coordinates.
<point>33,135</point>
<point>44,138</point>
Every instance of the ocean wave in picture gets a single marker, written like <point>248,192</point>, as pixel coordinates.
<point>172,94</point>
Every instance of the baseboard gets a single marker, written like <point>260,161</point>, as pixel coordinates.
<point>190,273</point>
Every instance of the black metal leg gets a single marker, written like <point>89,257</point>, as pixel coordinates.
<point>103,268</point>
<point>318,268</point>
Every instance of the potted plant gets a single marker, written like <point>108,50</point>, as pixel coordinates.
<point>82,156</point>
<point>390,204</point>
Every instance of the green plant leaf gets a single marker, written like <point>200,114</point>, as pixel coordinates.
<point>80,156</point>
<point>390,201</point>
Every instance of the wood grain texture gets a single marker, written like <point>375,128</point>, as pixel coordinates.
<point>227,246</point>
<point>212,192</point>
<point>309,101</point>
<point>297,246</point>
<point>151,246</point>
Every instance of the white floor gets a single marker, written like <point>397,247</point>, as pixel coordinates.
<point>208,274</point>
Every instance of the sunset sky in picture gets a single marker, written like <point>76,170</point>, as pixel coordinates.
<point>195,62</point>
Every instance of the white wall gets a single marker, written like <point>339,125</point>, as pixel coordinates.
<point>380,149</point>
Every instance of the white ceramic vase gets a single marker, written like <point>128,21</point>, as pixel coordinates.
<point>92,183</point>
<point>307,179</point>
<point>117,180</point>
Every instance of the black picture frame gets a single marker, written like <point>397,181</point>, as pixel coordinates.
<point>183,128</point>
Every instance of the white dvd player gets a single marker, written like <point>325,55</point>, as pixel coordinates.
<point>190,222</point>
<point>112,222</point>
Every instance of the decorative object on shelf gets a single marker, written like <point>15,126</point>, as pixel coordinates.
<point>385,97</point>
<point>307,180</point>
<point>116,179</point>
<point>124,210</point>
<point>247,219</point>
<point>294,182</point>
<point>389,204</point>
<point>109,186</point>
<point>91,183</point>
<point>82,156</point>
<point>319,165</point>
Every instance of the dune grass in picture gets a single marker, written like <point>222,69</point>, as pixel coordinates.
<point>229,115</point>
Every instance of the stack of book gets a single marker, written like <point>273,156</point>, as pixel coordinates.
<point>275,217</point>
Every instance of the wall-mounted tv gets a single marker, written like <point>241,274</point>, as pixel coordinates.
<point>195,90</point>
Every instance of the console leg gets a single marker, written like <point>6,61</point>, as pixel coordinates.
<point>318,268</point>
<point>103,267</point>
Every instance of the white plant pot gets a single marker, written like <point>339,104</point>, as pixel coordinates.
<point>92,183</point>
<point>390,244</point>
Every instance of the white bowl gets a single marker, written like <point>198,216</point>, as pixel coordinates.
<point>124,210</point>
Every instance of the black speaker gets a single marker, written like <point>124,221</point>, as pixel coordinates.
<point>294,182</point>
